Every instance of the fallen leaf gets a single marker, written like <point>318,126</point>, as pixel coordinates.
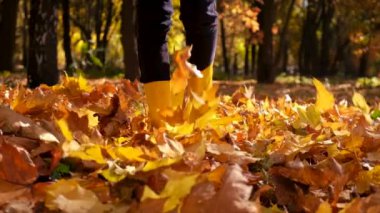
<point>16,166</point>
<point>234,193</point>
<point>14,123</point>
<point>359,101</point>
<point>69,196</point>
<point>178,186</point>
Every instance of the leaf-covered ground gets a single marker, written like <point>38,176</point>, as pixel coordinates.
<point>89,147</point>
<point>77,147</point>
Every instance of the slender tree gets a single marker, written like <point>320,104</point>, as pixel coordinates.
<point>281,55</point>
<point>327,16</point>
<point>25,34</point>
<point>308,52</point>
<point>43,43</point>
<point>8,15</point>
<point>246,58</point>
<point>102,29</point>
<point>128,40</point>
<point>253,60</point>
<point>223,40</point>
<point>266,20</point>
<point>66,35</point>
<point>223,37</point>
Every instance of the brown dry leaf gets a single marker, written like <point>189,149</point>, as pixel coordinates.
<point>201,195</point>
<point>370,204</point>
<point>16,165</point>
<point>233,196</point>
<point>14,123</point>
<point>10,192</point>
<point>38,100</point>
<point>320,176</point>
<point>69,196</point>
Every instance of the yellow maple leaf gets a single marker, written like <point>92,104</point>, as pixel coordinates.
<point>324,208</point>
<point>310,115</point>
<point>73,85</point>
<point>152,165</point>
<point>217,174</point>
<point>359,101</point>
<point>115,173</point>
<point>355,143</point>
<point>90,153</point>
<point>325,100</point>
<point>64,127</point>
<point>130,153</point>
<point>178,186</point>
<point>365,179</point>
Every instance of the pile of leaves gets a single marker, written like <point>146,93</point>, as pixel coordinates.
<point>81,147</point>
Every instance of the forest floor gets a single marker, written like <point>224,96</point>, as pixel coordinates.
<point>305,92</point>
<point>87,145</point>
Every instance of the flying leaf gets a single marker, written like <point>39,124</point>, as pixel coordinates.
<point>181,75</point>
<point>325,100</point>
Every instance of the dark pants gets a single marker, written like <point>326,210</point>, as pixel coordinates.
<point>199,18</point>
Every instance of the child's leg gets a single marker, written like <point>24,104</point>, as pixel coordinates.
<point>153,24</point>
<point>200,20</point>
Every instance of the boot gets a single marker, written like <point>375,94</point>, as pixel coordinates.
<point>199,85</point>
<point>158,98</point>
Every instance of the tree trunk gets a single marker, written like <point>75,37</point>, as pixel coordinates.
<point>363,66</point>
<point>66,36</point>
<point>8,18</point>
<point>107,27</point>
<point>98,20</point>
<point>308,52</point>
<point>246,59</point>
<point>128,40</point>
<point>25,34</point>
<point>224,47</point>
<point>284,60</point>
<point>266,17</point>
<point>327,17</point>
<point>253,61</point>
<point>42,43</point>
<point>235,67</point>
<point>281,55</point>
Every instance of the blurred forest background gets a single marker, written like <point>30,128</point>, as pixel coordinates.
<point>260,39</point>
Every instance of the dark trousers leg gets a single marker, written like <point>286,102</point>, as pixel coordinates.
<point>153,24</point>
<point>200,19</point>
